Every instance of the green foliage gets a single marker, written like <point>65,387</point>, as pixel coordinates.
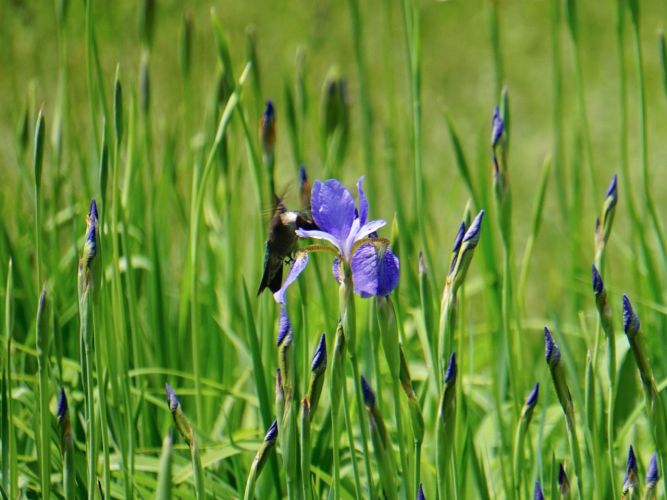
<point>153,110</point>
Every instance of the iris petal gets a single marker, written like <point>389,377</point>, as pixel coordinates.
<point>319,235</point>
<point>375,270</point>
<point>333,208</point>
<point>299,264</point>
<point>369,228</point>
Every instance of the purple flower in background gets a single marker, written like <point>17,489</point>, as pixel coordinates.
<point>375,268</point>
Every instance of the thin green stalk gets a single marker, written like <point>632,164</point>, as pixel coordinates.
<point>44,428</point>
<point>350,440</point>
<point>164,476</point>
<point>399,434</point>
<point>87,368</point>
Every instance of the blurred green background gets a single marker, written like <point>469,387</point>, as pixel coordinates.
<point>457,76</point>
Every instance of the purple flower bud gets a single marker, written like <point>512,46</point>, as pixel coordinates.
<point>473,233</point>
<point>563,481</point>
<point>420,492</point>
<point>631,474</point>
<point>269,112</point>
<point>172,400</point>
<point>652,474</point>
<point>598,285</point>
<point>459,237</point>
<point>93,214</point>
<point>612,192</point>
<point>551,349</point>
<point>62,405</point>
<point>450,374</point>
<point>632,464</point>
<point>368,394</point>
<point>497,126</point>
<point>303,175</point>
<point>272,433</point>
<point>284,325</point>
<point>630,318</point>
<point>531,400</point>
<point>320,358</point>
<point>538,491</point>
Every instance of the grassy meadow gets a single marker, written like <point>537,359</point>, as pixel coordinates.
<point>515,152</point>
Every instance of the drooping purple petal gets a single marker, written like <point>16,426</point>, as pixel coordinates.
<point>298,265</point>
<point>363,202</point>
<point>333,208</point>
<point>375,271</point>
<point>320,235</point>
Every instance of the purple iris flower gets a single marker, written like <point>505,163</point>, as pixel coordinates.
<point>375,268</point>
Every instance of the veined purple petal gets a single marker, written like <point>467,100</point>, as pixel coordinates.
<point>284,325</point>
<point>375,271</point>
<point>320,235</point>
<point>351,238</point>
<point>363,202</point>
<point>333,208</point>
<point>298,265</point>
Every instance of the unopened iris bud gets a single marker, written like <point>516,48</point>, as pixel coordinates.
<point>172,399</point>
<point>538,491</point>
<point>286,355</point>
<point>652,476</point>
<point>563,481</point>
<point>62,406</point>
<point>630,319</point>
<point>39,149</point>
<point>267,128</point>
<point>467,246</point>
<point>368,394</point>
<point>631,479</point>
<point>320,359</point>
<point>335,114</point>
<point>531,400</point>
<point>304,188</point>
<point>457,245</point>
<point>551,349</point>
<point>604,222</point>
<point>598,285</point>
<point>318,368</point>
<point>284,326</point>
<point>420,492</point>
<point>272,433</point>
<point>450,374</point>
<point>497,127</point>
<point>180,420</point>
